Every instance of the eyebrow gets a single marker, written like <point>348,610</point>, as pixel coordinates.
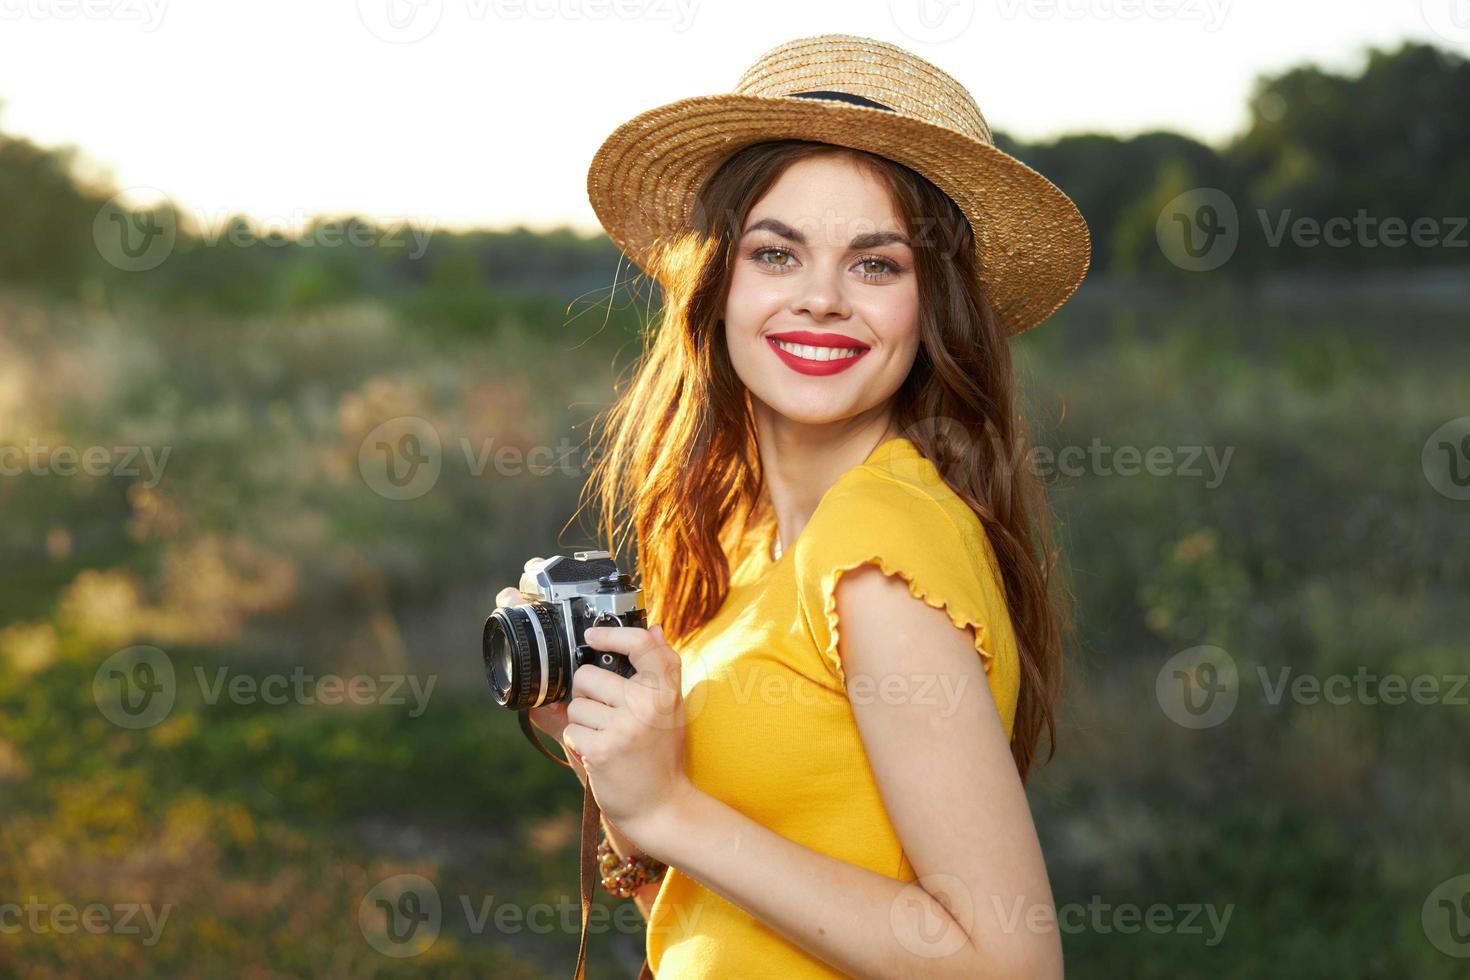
<point>872,240</point>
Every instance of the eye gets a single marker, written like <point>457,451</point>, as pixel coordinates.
<point>885,266</point>
<point>759,255</point>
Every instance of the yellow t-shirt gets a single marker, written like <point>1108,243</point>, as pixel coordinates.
<point>770,729</point>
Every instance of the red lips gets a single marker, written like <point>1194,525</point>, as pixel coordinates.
<point>806,366</point>
<point>815,339</point>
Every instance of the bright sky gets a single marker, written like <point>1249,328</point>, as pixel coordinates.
<point>460,113</point>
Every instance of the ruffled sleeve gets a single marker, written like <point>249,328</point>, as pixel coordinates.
<point>938,547</point>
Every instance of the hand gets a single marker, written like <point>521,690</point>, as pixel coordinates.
<point>629,732</point>
<point>550,718</point>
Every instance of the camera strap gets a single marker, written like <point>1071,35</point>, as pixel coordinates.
<point>524,716</point>
<point>591,821</point>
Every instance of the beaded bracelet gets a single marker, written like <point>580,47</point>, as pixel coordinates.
<point>624,878</point>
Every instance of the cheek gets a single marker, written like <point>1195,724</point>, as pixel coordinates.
<point>750,299</point>
<point>750,305</point>
<point>737,313</point>
<point>895,315</point>
<point>903,350</point>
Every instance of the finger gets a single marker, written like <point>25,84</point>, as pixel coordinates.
<point>531,563</point>
<point>599,684</point>
<point>644,650</point>
<point>579,740</point>
<point>590,714</point>
<point>508,596</point>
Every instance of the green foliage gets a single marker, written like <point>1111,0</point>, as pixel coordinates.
<point>48,218</point>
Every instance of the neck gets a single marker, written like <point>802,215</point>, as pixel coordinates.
<point>801,461</point>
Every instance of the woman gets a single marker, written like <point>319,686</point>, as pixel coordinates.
<point>858,641</point>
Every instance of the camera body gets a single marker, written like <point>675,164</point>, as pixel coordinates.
<point>531,649</point>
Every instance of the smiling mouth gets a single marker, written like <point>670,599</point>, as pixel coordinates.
<point>811,353</point>
<point>831,354</point>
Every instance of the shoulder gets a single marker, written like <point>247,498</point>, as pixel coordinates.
<point>901,508</point>
<point>900,517</point>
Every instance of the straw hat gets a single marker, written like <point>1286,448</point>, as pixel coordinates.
<point>1031,243</point>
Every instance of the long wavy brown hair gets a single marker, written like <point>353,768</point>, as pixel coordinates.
<point>677,472</point>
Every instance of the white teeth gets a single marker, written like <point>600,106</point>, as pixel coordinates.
<point>817,353</point>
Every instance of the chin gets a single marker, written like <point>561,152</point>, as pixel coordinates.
<point>815,421</point>
<point>805,414</point>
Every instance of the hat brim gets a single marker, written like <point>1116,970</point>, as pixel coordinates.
<point>1032,244</point>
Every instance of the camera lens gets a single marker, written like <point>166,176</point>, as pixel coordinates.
<point>525,655</point>
<point>499,668</point>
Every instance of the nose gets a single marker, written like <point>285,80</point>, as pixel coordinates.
<point>819,293</point>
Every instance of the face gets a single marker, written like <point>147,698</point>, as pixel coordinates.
<point>821,319</point>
